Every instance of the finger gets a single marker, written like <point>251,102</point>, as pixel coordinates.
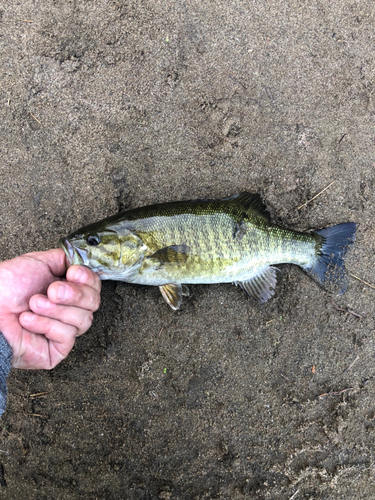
<point>73,294</point>
<point>84,275</point>
<point>55,331</point>
<point>81,319</point>
<point>55,260</point>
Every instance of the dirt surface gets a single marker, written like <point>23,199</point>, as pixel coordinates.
<point>107,105</point>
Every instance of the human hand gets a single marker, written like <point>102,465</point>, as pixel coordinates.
<point>41,313</point>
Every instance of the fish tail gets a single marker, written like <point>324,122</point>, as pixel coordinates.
<point>328,269</point>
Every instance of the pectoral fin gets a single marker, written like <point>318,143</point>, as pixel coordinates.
<point>175,254</point>
<point>172,294</point>
<point>262,286</point>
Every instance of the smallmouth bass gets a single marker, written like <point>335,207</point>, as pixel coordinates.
<point>231,240</point>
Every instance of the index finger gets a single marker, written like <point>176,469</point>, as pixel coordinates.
<point>84,276</point>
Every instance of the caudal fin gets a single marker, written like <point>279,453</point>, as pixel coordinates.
<point>329,267</point>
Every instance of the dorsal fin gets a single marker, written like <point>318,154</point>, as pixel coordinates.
<point>250,202</point>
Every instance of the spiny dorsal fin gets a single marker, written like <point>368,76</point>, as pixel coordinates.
<point>172,254</point>
<point>262,286</point>
<point>250,202</point>
<point>172,294</point>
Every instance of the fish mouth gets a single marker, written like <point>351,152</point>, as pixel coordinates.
<point>73,255</point>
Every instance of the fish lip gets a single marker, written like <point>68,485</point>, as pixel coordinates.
<point>73,255</point>
<point>68,249</point>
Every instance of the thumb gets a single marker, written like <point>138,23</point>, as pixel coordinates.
<point>54,259</point>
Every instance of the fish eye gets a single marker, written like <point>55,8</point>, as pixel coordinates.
<point>93,241</point>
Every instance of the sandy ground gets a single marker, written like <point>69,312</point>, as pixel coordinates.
<point>107,105</point>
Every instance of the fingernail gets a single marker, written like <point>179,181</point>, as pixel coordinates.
<point>61,292</point>
<point>42,302</point>
<point>78,275</point>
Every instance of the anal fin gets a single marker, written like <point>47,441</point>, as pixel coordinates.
<point>262,286</point>
<point>172,294</point>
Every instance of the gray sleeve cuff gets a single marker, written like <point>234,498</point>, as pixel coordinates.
<point>6,354</point>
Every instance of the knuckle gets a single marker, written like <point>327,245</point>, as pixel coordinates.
<point>94,280</point>
<point>49,326</point>
<point>98,302</point>
<point>95,301</point>
<point>85,323</point>
<point>88,321</point>
<point>98,282</point>
<point>78,292</point>
<point>65,315</point>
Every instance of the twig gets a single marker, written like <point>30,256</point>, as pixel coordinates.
<point>36,119</point>
<point>338,308</point>
<point>161,329</point>
<point>294,495</point>
<point>342,137</point>
<point>335,393</point>
<point>322,191</point>
<point>36,415</point>
<point>354,313</point>
<point>26,21</point>
<point>39,394</point>
<point>359,279</point>
<point>351,365</point>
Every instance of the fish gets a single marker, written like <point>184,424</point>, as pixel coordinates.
<point>229,240</point>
